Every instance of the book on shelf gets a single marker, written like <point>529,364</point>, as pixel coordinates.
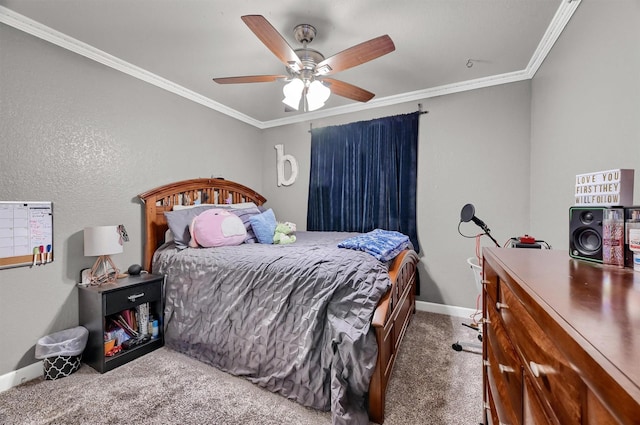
<point>142,315</point>
<point>133,321</point>
<point>120,321</point>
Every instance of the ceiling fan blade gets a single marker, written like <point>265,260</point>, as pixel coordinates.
<point>271,38</point>
<point>348,90</point>
<point>356,55</point>
<point>249,79</point>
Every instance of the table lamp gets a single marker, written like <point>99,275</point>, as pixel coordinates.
<point>102,241</point>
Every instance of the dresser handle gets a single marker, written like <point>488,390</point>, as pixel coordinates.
<point>487,407</point>
<point>486,282</point>
<point>485,363</point>
<point>483,321</point>
<point>133,298</point>
<point>539,369</point>
<point>501,305</point>
<point>505,369</point>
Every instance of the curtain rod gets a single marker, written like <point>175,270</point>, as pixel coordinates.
<point>419,110</point>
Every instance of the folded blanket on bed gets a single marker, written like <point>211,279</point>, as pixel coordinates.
<point>384,245</point>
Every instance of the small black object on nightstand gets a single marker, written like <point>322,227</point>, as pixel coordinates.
<point>134,269</point>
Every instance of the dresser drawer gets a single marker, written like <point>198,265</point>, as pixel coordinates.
<point>490,408</point>
<point>503,362</point>
<point>129,297</point>
<point>551,373</point>
<point>490,282</point>
<point>597,413</point>
<point>534,413</point>
<point>500,389</point>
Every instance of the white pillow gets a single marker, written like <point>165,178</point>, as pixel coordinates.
<point>232,206</point>
<point>241,205</point>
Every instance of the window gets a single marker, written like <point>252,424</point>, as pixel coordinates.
<point>363,176</point>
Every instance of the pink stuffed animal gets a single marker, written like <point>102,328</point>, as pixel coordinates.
<point>216,227</point>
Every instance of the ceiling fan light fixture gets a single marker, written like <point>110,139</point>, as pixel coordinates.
<point>293,93</point>
<point>317,95</point>
<point>305,65</point>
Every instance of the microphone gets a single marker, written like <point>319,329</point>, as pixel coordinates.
<point>480,223</point>
<point>468,213</point>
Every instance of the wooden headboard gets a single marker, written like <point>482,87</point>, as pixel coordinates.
<point>187,192</point>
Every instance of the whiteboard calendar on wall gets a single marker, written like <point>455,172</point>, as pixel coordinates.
<point>26,233</point>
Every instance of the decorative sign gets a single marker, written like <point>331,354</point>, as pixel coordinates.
<point>605,188</point>
<point>280,159</point>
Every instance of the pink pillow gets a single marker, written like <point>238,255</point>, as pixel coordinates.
<point>217,227</point>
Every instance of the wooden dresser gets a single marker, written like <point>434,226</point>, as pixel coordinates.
<point>561,341</point>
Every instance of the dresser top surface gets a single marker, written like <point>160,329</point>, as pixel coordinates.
<point>600,303</point>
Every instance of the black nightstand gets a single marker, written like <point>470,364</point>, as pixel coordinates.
<point>100,303</point>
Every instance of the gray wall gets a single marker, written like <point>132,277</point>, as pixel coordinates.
<point>473,147</point>
<point>585,110</point>
<point>89,139</point>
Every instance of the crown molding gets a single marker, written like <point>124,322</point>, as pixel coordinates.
<point>21,22</point>
<point>560,20</point>
<point>462,86</point>
<point>551,35</point>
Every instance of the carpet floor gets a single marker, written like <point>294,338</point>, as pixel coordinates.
<point>430,384</point>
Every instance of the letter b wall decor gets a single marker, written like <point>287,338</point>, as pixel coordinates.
<point>280,160</point>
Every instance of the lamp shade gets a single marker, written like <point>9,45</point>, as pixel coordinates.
<point>102,240</point>
<point>292,93</point>
<point>317,95</point>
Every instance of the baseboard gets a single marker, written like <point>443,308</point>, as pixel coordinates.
<point>451,310</point>
<point>20,376</point>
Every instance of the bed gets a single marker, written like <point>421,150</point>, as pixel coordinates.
<point>334,368</point>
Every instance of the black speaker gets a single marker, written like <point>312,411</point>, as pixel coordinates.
<point>585,233</point>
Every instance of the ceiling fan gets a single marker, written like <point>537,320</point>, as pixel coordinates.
<point>307,69</point>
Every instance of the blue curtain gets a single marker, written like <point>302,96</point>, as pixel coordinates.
<point>363,176</point>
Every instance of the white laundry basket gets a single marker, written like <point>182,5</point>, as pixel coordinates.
<point>477,272</point>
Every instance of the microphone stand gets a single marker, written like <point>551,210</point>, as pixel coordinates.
<point>488,233</point>
<point>484,227</point>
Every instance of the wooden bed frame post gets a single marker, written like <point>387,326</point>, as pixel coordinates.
<point>390,321</point>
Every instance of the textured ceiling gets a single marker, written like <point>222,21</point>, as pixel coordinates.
<point>189,42</point>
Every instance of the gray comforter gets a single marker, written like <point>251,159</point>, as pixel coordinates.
<point>294,319</point>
